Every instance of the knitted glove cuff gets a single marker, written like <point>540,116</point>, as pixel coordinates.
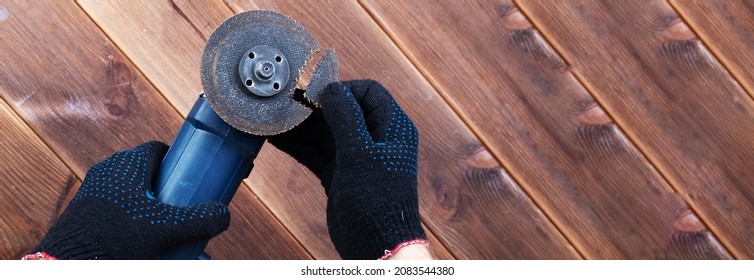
<point>367,233</point>
<point>38,256</point>
<point>400,246</point>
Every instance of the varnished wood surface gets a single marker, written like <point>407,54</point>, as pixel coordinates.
<point>549,130</point>
<point>546,128</point>
<point>74,87</point>
<point>158,44</point>
<point>727,29</point>
<point>671,96</point>
<point>35,184</point>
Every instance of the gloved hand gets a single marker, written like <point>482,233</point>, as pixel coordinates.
<point>311,143</point>
<point>115,215</point>
<point>367,161</point>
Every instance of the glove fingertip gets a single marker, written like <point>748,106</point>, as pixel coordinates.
<point>333,95</point>
<point>218,216</point>
<point>342,113</point>
<point>367,87</point>
<point>154,152</point>
<point>155,148</point>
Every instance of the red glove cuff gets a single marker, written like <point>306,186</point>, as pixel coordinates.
<point>389,253</point>
<point>38,256</point>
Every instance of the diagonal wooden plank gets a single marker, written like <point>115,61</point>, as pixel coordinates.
<point>34,186</point>
<point>727,28</point>
<point>534,115</point>
<point>204,16</point>
<point>463,190</point>
<point>254,233</point>
<point>86,100</point>
<point>672,98</point>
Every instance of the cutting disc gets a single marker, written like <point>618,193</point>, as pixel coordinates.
<point>251,67</point>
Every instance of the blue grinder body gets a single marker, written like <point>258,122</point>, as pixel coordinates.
<point>207,161</point>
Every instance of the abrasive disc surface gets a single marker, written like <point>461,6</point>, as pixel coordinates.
<point>325,73</point>
<point>221,82</point>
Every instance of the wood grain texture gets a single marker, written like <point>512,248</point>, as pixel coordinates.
<point>73,86</point>
<point>204,16</point>
<point>34,185</point>
<point>672,98</point>
<point>466,198</point>
<point>166,58</point>
<point>727,28</point>
<point>86,100</point>
<point>254,234</point>
<point>507,82</point>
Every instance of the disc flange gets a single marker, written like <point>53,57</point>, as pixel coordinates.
<point>264,71</point>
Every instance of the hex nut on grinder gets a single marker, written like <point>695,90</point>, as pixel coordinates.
<point>261,74</point>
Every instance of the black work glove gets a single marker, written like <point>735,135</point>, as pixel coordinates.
<point>368,169</point>
<point>311,143</point>
<point>115,215</point>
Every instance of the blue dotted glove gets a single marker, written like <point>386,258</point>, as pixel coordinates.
<point>372,205</point>
<point>115,215</point>
<point>364,149</point>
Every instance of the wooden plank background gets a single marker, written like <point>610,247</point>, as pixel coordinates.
<point>727,29</point>
<point>35,184</point>
<point>671,96</point>
<point>567,152</point>
<point>549,130</point>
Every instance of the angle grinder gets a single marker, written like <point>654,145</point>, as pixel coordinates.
<point>261,73</point>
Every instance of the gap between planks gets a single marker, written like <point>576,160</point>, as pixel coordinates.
<point>737,79</point>
<point>705,42</point>
<point>628,133</point>
<point>17,116</point>
<point>247,185</point>
<point>130,59</point>
<point>175,108</point>
<point>465,120</point>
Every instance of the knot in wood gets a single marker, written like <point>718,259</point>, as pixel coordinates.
<point>594,115</point>
<point>678,30</point>
<point>515,20</point>
<point>688,222</point>
<point>482,159</point>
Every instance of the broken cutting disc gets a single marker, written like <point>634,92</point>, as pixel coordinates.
<point>250,68</point>
<point>324,73</point>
